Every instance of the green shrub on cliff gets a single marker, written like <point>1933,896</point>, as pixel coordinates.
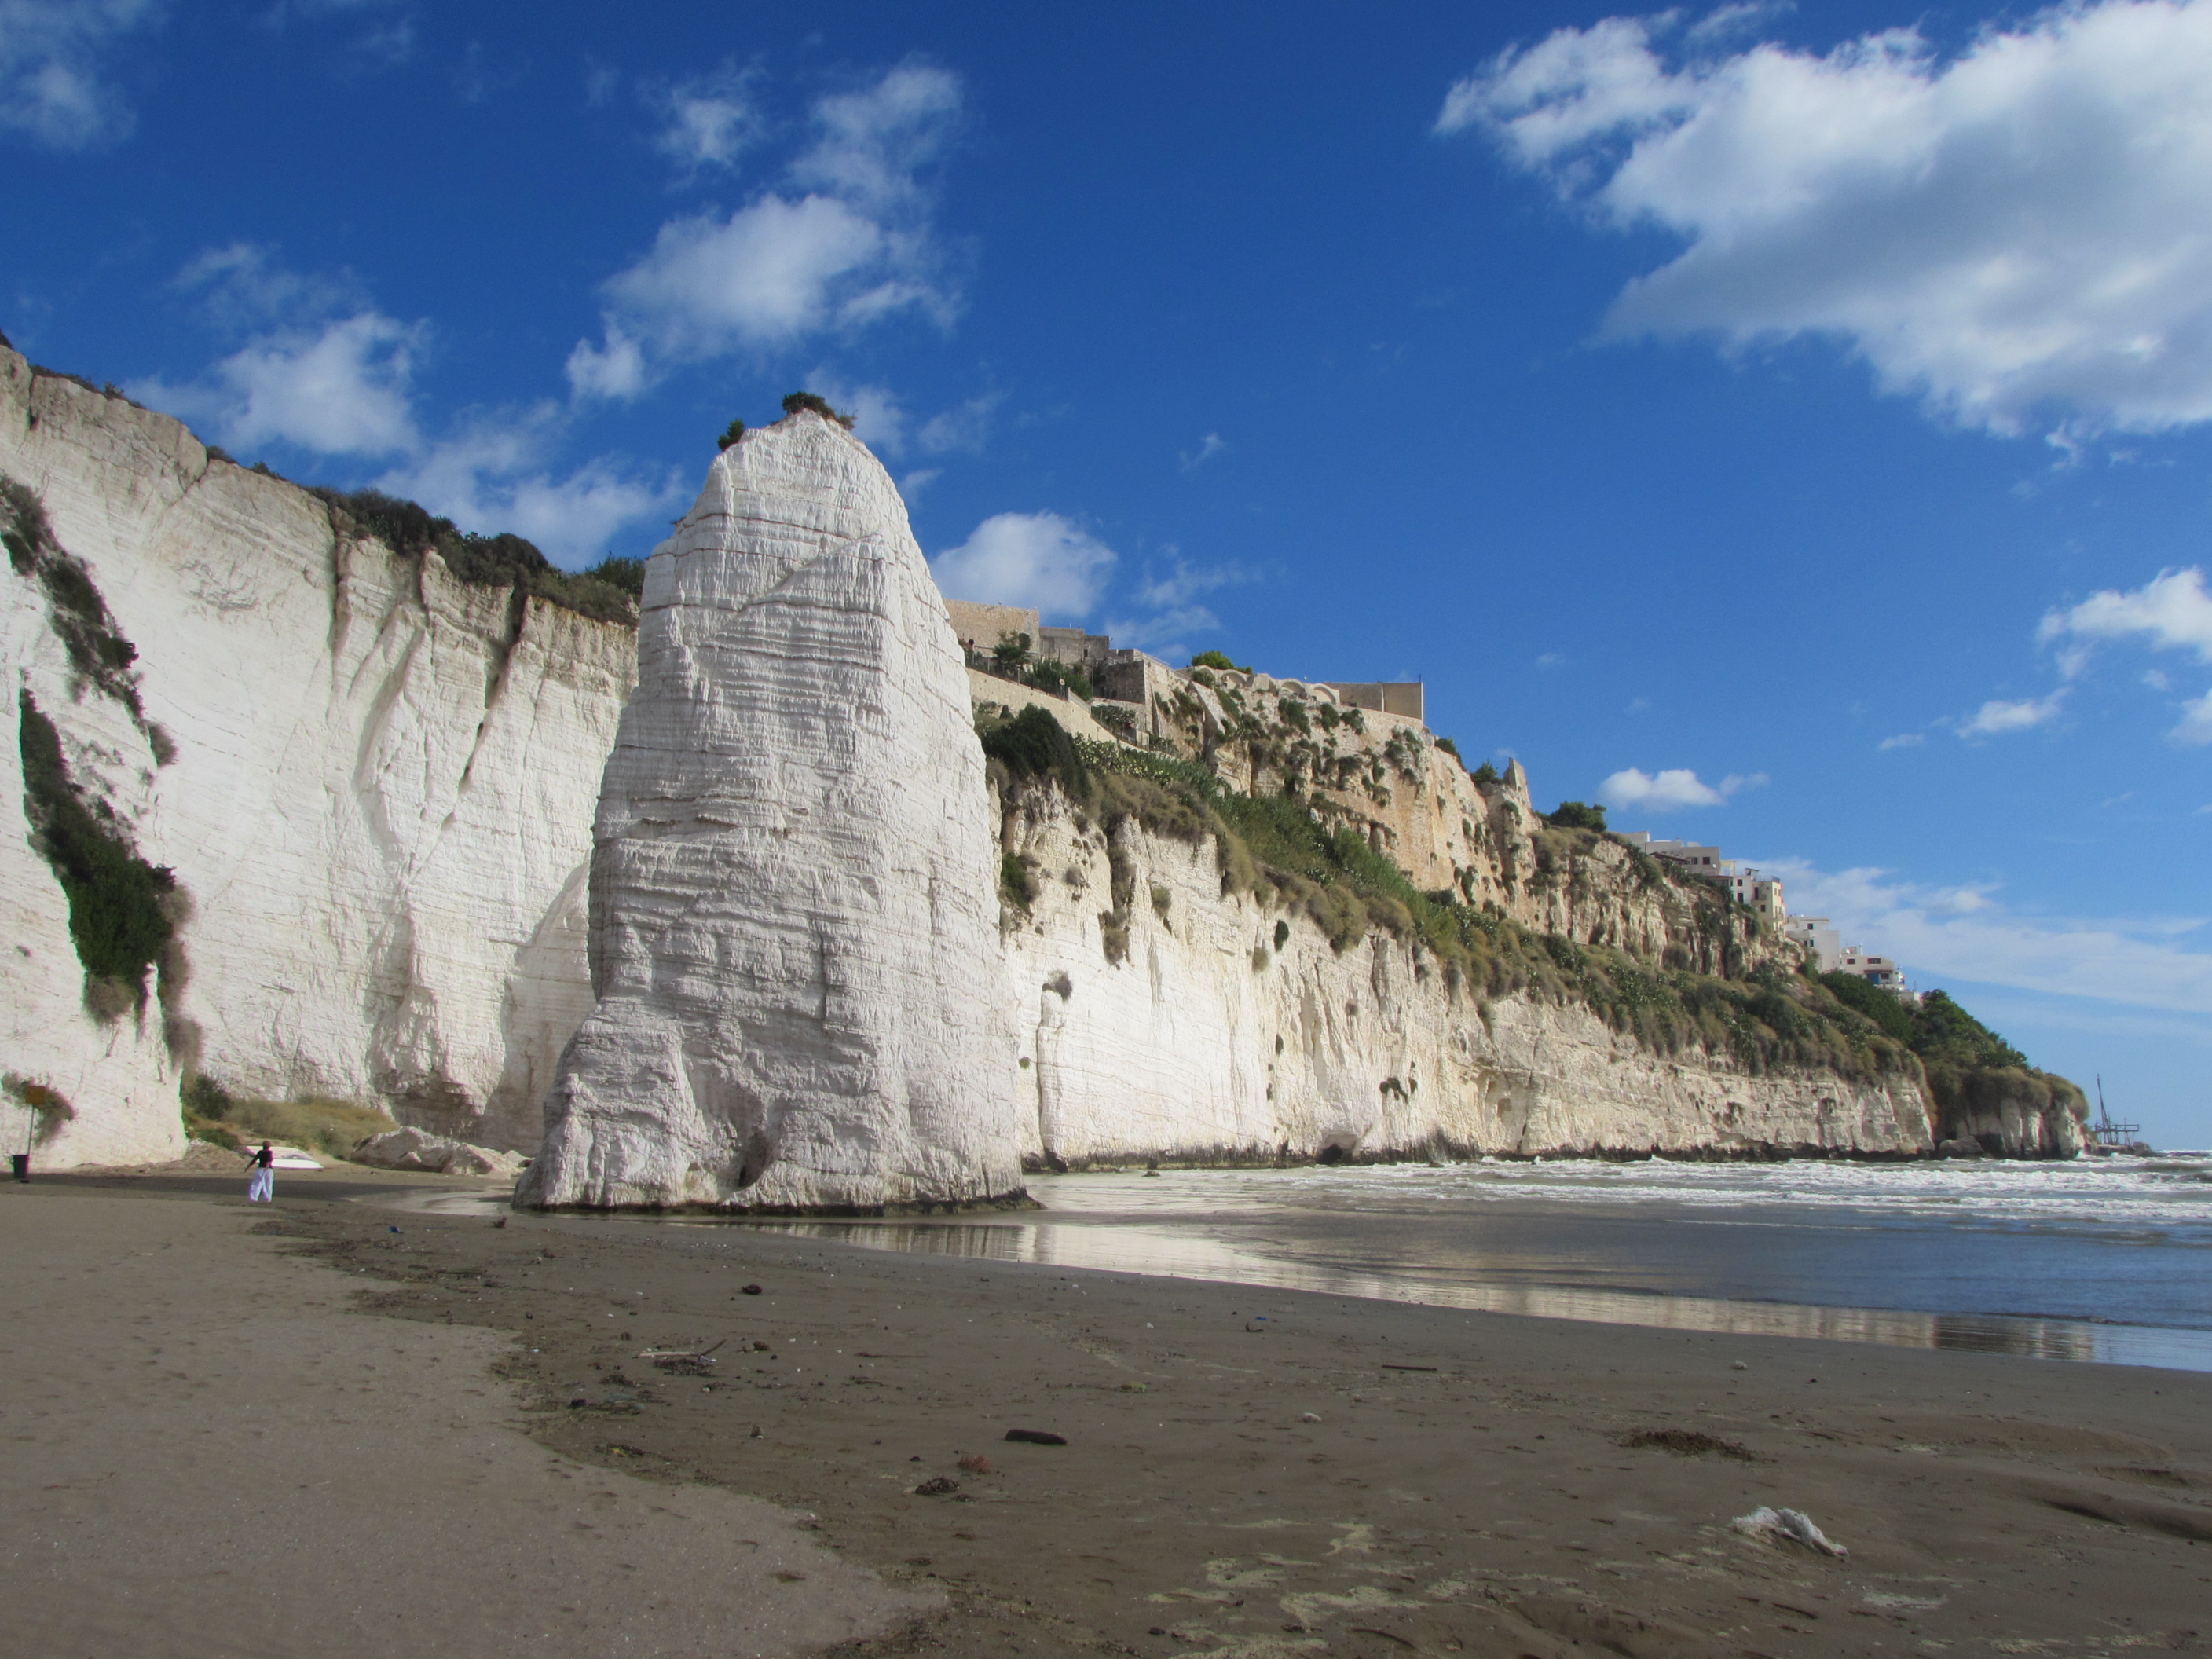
<point>796,401</point>
<point>1033,745</point>
<point>48,1106</point>
<point>1945,1033</point>
<point>504,560</point>
<point>1575,815</point>
<point>1974,1076</point>
<point>122,908</point>
<point>1218,659</point>
<point>1061,678</point>
<point>1017,886</point>
<point>75,609</point>
<point>315,1124</point>
<point>627,575</point>
<point>1892,1018</point>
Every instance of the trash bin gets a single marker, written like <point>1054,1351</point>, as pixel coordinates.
<point>19,1165</point>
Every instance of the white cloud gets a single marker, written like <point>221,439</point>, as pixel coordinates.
<point>1166,614</point>
<point>849,243</point>
<point>320,367</point>
<point>492,477</point>
<point>1209,447</point>
<point>1165,634</point>
<point>2012,1014</point>
<point>615,369</point>
<point>243,289</point>
<point>872,143</point>
<point>323,371</point>
<point>1932,932</point>
<point>765,275</point>
<point>1996,716</point>
<point>339,389</point>
<point>51,89</point>
<point>1903,740</point>
<point>709,121</point>
<point>1037,559</point>
<point>1736,20</point>
<point>2013,231</point>
<point>2171,611</point>
<point>2195,725</point>
<point>1184,581</point>
<point>881,420</point>
<point>1671,791</point>
<point>389,39</point>
<point>965,426</point>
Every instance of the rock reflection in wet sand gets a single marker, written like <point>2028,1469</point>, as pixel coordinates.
<point>1141,1249</point>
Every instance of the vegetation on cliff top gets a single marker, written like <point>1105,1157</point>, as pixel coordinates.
<point>608,591</point>
<point>1974,1074</point>
<point>1011,660</point>
<point>1276,849</point>
<point>1971,1069</point>
<point>1576,815</point>
<point>795,401</point>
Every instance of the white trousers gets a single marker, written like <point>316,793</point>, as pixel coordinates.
<point>262,1189</point>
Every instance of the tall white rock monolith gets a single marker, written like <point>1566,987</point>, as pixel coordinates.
<point>794,880</point>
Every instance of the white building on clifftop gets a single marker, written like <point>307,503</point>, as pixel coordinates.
<point>1746,886</point>
<point>1819,935</point>
<point>1876,970</point>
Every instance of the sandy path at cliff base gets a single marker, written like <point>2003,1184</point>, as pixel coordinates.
<point>207,1454</point>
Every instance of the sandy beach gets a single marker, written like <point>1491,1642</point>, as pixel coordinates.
<point>248,1433</point>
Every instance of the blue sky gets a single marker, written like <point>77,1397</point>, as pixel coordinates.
<point>1790,424</point>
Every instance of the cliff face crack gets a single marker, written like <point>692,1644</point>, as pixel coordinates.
<point>495,673</point>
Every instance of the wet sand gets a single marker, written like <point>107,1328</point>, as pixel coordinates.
<point>205,1455</point>
<point>1247,1473</point>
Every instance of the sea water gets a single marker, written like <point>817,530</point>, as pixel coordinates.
<point>2105,1259</point>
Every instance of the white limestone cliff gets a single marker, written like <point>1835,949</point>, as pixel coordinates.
<point>375,786</point>
<point>794,907</point>
<point>112,1079</point>
<point>379,806</point>
<point>1196,1036</point>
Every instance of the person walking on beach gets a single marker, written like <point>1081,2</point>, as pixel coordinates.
<point>261,1188</point>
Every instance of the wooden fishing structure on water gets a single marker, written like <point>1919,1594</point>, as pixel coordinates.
<point>2109,1133</point>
